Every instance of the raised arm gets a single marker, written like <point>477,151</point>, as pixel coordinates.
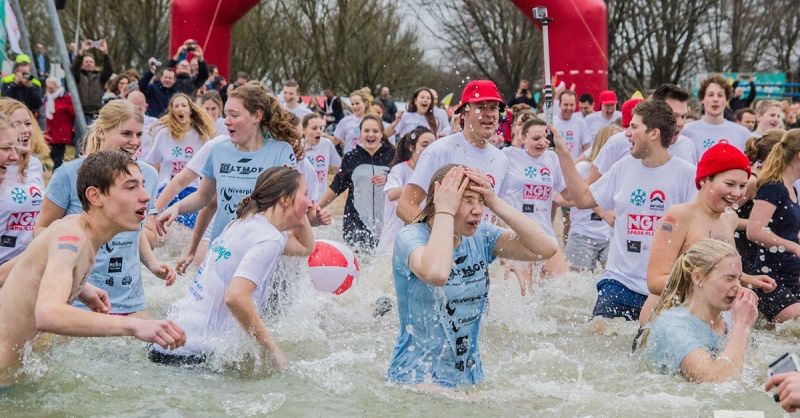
<point>578,188</point>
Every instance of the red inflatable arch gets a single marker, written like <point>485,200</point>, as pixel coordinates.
<point>578,41</point>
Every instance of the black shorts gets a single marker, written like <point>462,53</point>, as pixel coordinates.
<point>173,359</point>
<point>787,293</point>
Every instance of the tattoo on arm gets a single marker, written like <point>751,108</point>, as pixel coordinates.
<point>68,242</point>
<point>666,224</point>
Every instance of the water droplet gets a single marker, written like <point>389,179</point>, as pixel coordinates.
<point>773,249</point>
<point>765,269</point>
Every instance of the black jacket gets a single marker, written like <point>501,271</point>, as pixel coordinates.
<point>91,84</point>
<point>185,83</point>
<point>157,95</point>
<point>31,96</point>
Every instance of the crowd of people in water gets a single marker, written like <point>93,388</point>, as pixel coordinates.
<point>690,221</point>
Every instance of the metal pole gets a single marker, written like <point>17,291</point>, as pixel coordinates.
<point>78,26</point>
<point>548,89</point>
<point>24,37</point>
<point>58,35</point>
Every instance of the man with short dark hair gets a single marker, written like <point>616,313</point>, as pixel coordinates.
<point>158,93</point>
<point>91,82</point>
<point>23,88</point>
<point>747,118</point>
<point>523,95</point>
<point>185,81</point>
<point>586,104</point>
<point>389,107</point>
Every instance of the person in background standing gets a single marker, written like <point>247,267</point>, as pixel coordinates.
<point>738,101</point>
<point>586,104</point>
<point>523,95</point>
<point>41,61</point>
<point>390,108</point>
<point>59,117</point>
<point>91,82</point>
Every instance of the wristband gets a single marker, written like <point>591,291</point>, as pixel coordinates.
<point>445,213</point>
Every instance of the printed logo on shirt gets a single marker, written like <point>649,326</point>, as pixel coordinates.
<point>228,194</point>
<point>536,192</point>
<point>177,166</point>
<point>111,245</point>
<point>21,221</point>
<point>8,241</point>
<point>528,208</point>
<point>491,179</point>
<point>176,152</point>
<point>18,195</point>
<point>127,280</point>
<point>244,170</point>
<point>36,195</point>
<point>462,345</point>
<point>531,172</point>
<point>642,224</point>
<point>545,172</point>
<point>188,151</point>
<point>569,135</point>
<point>657,199</point>
<point>244,160</point>
<point>634,246</point>
<point>220,251</point>
<point>595,217</point>
<point>708,143</point>
<point>638,197</point>
<point>115,265</point>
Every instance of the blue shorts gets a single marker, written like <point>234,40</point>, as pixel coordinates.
<point>614,300</point>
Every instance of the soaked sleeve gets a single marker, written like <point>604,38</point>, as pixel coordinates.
<point>489,234</point>
<point>409,238</point>
<point>254,265</point>
<point>671,340</point>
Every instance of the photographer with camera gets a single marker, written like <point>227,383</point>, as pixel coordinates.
<point>185,82</point>
<point>159,92</point>
<point>23,88</point>
<point>523,95</point>
<point>91,81</point>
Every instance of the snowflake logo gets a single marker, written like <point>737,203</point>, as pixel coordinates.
<point>176,152</point>
<point>530,173</point>
<point>638,197</point>
<point>18,196</point>
<point>708,143</point>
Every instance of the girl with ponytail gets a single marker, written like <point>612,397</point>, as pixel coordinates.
<point>117,271</point>
<point>226,299</point>
<point>701,324</point>
<point>774,224</point>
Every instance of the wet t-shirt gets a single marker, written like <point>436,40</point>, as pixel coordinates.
<point>235,173</point>
<point>307,170</point>
<point>785,223</point>
<point>705,135</point>
<point>675,333</point>
<point>117,268</point>
<point>440,326</point>
<point>531,184</point>
<point>639,196</point>
<point>249,249</point>
<point>20,203</point>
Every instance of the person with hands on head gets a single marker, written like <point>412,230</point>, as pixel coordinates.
<point>51,273</point>
<point>116,269</point>
<point>701,325</point>
<point>786,386</point>
<point>774,225</point>
<point>441,275</point>
<point>721,178</point>
<point>231,290</point>
<point>639,188</point>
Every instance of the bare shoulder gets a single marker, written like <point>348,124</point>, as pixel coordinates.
<point>679,216</point>
<point>66,234</point>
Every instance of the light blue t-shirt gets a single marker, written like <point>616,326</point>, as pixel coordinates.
<point>236,172</point>
<point>117,268</point>
<point>675,333</point>
<point>439,326</point>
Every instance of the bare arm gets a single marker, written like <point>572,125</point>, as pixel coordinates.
<point>667,244</point>
<point>394,193</point>
<point>578,188</point>
<point>301,241</point>
<point>408,203</point>
<point>178,183</point>
<point>327,198</point>
<point>239,299</point>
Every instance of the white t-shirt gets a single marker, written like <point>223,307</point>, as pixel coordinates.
<point>639,196</point>
<point>618,146</point>
<point>575,132</point>
<point>147,137</point>
<point>584,221</point>
<point>198,161</point>
<point>455,149</point>
<point>531,183</point>
<point>411,120</point>
<point>348,130</point>
<point>442,120</point>
<point>399,175</point>
<point>248,249</point>
<point>300,110</point>
<point>219,124</point>
<point>323,156</point>
<point>171,155</point>
<point>595,121</point>
<point>307,169</point>
<point>705,135</point>
<point>20,203</point>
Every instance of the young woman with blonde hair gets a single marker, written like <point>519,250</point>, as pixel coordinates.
<point>348,131</point>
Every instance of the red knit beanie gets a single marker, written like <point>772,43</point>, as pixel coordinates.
<point>721,157</point>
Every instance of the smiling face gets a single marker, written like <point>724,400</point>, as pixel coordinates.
<point>21,120</point>
<point>357,105</point>
<point>371,134</point>
<point>290,95</point>
<point>719,287</point>
<point>771,119</point>
<point>423,101</point>
<point>723,190</point>
<point>714,101</point>
<point>567,106</point>
<point>535,142</point>
<point>585,108</point>
<point>241,124</point>
<point>8,150</point>
<point>422,142</point>
<point>482,118</point>
<point>748,121</point>
<point>180,110</point>
<point>679,110</point>
<point>127,137</point>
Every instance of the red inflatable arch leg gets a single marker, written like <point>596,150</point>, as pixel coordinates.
<point>210,23</point>
<point>578,42</point>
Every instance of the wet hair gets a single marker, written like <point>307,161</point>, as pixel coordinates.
<point>198,120</point>
<point>275,120</point>
<point>114,85</point>
<point>764,105</point>
<point>429,116</point>
<point>430,208</point>
<point>656,114</point>
<point>530,123</point>
<point>780,157</point>
<point>373,117</point>
<point>100,170</point>
<point>586,98</point>
<point>741,112</point>
<point>703,256</point>
<point>408,143</point>
<point>274,184</point>
<point>601,138</point>
<point>757,148</point>
<point>111,116</point>
<point>307,118</point>
<point>714,79</point>
<point>670,91</point>
<point>38,144</point>
<point>566,91</point>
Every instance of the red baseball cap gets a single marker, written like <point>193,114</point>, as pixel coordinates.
<point>477,91</point>
<point>608,97</point>
<point>627,110</point>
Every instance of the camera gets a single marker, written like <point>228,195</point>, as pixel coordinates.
<point>540,13</point>
<point>786,363</point>
<point>96,44</point>
<point>27,76</point>
<point>153,61</point>
<point>218,79</point>
<point>551,144</point>
<point>191,46</point>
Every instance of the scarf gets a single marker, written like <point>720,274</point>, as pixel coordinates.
<point>50,103</point>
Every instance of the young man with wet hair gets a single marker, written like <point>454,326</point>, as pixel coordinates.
<point>51,273</point>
